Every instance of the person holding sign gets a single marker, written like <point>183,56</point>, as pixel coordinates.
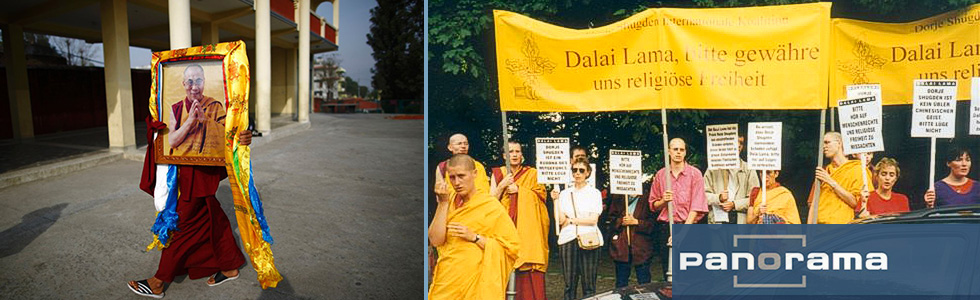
<point>524,199</point>
<point>779,206</point>
<point>883,200</point>
<point>579,239</point>
<point>956,188</point>
<point>687,192</point>
<point>477,242</point>
<point>729,189</point>
<point>840,183</point>
<point>631,248</point>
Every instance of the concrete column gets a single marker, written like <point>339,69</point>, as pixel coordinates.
<point>18,87</point>
<point>291,87</point>
<point>179,12</point>
<point>303,109</point>
<point>250,52</point>
<point>209,33</point>
<point>118,80</point>
<point>263,66</point>
<point>336,19</point>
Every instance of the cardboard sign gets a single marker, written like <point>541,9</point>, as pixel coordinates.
<point>552,160</point>
<point>625,172</point>
<point>765,145</point>
<point>722,146</point>
<point>934,108</point>
<point>975,107</point>
<point>860,124</point>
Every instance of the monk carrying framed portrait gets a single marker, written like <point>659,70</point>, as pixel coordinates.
<point>192,103</point>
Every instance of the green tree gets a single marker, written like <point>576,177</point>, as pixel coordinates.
<point>396,36</point>
<point>351,86</point>
<point>463,94</point>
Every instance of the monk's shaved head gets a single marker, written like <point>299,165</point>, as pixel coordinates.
<point>458,144</point>
<point>457,138</point>
<point>462,161</point>
<point>833,144</point>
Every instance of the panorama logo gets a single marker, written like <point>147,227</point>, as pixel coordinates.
<point>757,261</point>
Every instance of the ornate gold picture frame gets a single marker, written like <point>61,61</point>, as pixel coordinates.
<point>192,92</point>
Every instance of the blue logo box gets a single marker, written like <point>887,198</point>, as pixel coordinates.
<point>869,261</point>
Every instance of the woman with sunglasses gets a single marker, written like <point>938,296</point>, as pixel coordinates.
<point>578,213</point>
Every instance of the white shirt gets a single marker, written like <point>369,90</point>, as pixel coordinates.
<point>587,200</point>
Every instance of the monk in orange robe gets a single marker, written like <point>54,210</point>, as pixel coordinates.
<point>459,144</point>
<point>476,240</point>
<point>524,199</point>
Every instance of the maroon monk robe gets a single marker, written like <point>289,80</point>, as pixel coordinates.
<point>203,243</point>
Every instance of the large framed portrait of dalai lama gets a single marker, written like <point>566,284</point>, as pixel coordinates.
<point>192,90</point>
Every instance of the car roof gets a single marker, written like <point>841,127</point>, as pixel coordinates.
<point>949,214</point>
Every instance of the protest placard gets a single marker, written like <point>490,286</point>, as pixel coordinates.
<point>934,108</point>
<point>551,155</point>
<point>975,106</point>
<point>860,124</point>
<point>765,145</point>
<point>722,146</point>
<point>625,172</point>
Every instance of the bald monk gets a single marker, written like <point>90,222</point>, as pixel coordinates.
<point>459,144</point>
<point>476,240</point>
<point>840,184</point>
<point>198,121</point>
<point>524,200</point>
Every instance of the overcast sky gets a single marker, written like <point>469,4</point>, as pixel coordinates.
<point>355,54</point>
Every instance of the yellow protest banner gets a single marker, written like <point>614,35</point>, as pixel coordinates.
<point>770,57</point>
<point>946,46</point>
<point>723,58</point>
<point>543,67</point>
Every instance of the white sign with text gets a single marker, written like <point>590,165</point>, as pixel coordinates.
<point>860,124</point>
<point>625,172</point>
<point>765,145</point>
<point>934,108</point>
<point>552,157</point>
<point>975,106</point>
<point>722,146</point>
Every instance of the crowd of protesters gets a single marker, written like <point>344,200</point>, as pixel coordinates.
<point>635,231</point>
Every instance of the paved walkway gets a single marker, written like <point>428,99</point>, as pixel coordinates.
<point>342,199</point>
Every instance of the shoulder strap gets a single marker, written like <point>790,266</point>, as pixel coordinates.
<point>574,210</point>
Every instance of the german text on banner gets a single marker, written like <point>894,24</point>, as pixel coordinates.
<point>769,57</point>
<point>772,57</point>
<point>945,46</point>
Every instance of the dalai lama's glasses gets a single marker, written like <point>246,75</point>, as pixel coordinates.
<point>579,170</point>
<point>198,82</point>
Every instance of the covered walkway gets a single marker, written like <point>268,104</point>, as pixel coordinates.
<point>280,36</point>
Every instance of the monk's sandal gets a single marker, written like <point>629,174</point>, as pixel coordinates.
<point>143,289</point>
<point>220,278</point>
